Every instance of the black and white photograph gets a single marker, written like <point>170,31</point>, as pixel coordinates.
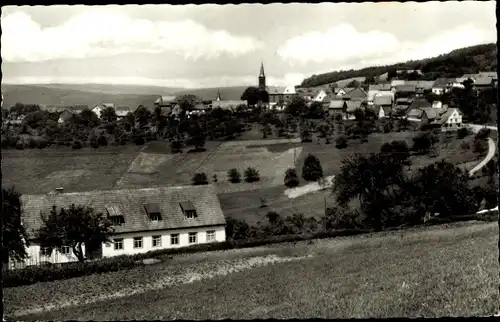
<point>250,161</point>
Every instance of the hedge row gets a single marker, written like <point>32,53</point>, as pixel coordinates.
<point>35,274</point>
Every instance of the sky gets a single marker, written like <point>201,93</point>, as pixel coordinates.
<point>223,45</point>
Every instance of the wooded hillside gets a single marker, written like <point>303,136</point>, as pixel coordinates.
<point>461,61</point>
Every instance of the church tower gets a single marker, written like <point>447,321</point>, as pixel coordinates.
<point>262,78</point>
<point>218,96</point>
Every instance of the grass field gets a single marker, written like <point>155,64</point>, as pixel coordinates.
<point>448,270</point>
<point>41,171</point>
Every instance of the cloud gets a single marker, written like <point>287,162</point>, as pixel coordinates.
<point>343,45</point>
<point>101,33</point>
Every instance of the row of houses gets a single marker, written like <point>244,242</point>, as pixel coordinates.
<point>143,220</point>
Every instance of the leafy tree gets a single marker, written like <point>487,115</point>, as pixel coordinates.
<point>88,118</point>
<point>74,227</point>
<point>14,237</point>
<point>197,141</point>
<point>462,133</point>
<point>200,179</point>
<point>251,95</point>
<point>369,80</point>
<point>251,175</point>
<point>234,175</point>
<point>102,140</point>
<point>341,142</point>
<point>423,143</point>
<point>237,229</point>
<point>142,116</point>
<point>108,114</point>
<point>312,170</point>
<point>354,83</point>
<point>291,178</point>
<point>396,149</point>
<point>491,194</point>
<point>264,96</point>
<point>373,179</point>
<point>273,217</point>
<point>77,145</point>
<point>188,101</point>
<point>297,107</point>
<point>306,135</point>
<point>443,188</point>
<point>315,111</point>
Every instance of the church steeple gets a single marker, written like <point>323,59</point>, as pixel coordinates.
<point>218,96</point>
<point>262,78</point>
<point>262,70</point>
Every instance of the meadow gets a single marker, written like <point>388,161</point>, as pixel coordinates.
<point>391,274</point>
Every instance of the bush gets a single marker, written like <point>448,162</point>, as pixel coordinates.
<point>291,178</point>
<point>483,134</point>
<point>234,175</point>
<point>341,143</point>
<point>479,146</point>
<point>77,145</point>
<point>462,133</point>
<point>200,179</point>
<point>102,141</point>
<point>176,146</point>
<point>312,170</point>
<point>251,175</point>
<point>465,145</point>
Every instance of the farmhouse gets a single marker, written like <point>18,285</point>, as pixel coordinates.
<point>122,111</point>
<point>383,105</point>
<point>101,107</point>
<point>166,100</point>
<point>451,120</point>
<point>356,94</point>
<point>144,220</point>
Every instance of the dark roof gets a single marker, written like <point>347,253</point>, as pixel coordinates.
<point>130,203</point>
<point>420,103</point>
<point>357,93</point>
<point>187,205</point>
<point>152,208</point>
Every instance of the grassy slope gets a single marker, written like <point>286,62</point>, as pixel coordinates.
<point>31,94</point>
<point>41,171</point>
<point>447,270</point>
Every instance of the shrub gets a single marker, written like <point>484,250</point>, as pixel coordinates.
<point>341,143</point>
<point>176,146</point>
<point>483,134</point>
<point>291,178</point>
<point>465,145</point>
<point>479,146</point>
<point>77,144</point>
<point>251,175</point>
<point>234,175</point>
<point>462,133</point>
<point>102,140</point>
<point>138,140</point>
<point>312,170</point>
<point>200,179</point>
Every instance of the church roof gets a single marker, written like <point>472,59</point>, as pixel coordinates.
<point>262,74</point>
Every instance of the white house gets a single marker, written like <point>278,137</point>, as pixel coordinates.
<point>101,107</point>
<point>320,96</point>
<point>451,120</point>
<point>144,220</point>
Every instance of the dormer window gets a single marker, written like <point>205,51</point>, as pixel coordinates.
<point>188,209</point>
<point>117,220</point>
<point>115,215</point>
<point>153,211</point>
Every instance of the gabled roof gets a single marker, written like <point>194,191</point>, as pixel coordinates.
<point>433,113</point>
<point>382,100</point>
<point>420,103</point>
<point>130,203</point>
<point>275,90</point>
<point>352,106</point>
<point>166,99</point>
<point>336,104</point>
<point>406,88</point>
<point>483,81</point>
<point>415,113</point>
<point>357,93</point>
<point>290,90</point>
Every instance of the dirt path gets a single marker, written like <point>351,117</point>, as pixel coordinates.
<point>489,156</point>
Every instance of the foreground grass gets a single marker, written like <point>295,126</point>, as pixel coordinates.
<point>450,270</point>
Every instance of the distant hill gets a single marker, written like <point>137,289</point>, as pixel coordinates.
<point>43,95</point>
<point>467,60</point>
<point>227,93</point>
<point>116,89</point>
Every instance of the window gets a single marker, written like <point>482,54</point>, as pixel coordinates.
<point>156,241</point>
<point>65,250</point>
<point>155,217</point>
<point>192,238</point>
<point>210,235</point>
<point>118,243</point>
<point>117,220</point>
<point>45,251</point>
<point>174,239</point>
<point>190,214</point>
<point>137,242</point>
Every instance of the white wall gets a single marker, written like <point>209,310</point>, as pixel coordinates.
<point>97,110</point>
<point>438,91</point>
<point>147,240</point>
<point>35,258</point>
